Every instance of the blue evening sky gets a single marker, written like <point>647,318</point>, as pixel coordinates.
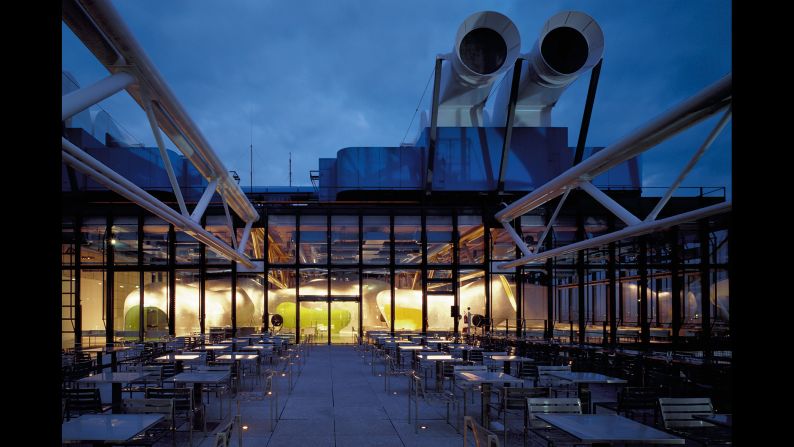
<point>317,76</point>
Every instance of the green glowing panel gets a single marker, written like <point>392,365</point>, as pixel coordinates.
<point>404,317</point>
<point>287,311</point>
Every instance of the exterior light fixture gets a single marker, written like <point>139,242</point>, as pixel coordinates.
<point>113,241</point>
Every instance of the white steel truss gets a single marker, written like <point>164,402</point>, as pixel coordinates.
<point>706,103</point>
<point>104,33</point>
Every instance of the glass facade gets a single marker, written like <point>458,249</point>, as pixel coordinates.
<point>386,272</point>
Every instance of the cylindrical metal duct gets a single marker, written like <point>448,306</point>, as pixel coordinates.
<point>569,44</point>
<point>486,45</point>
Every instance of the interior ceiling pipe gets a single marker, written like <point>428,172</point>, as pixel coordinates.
<point>706,103</point>
<point>83,162</point>
<point>569,44</point>
<point>98,25</point>
<point>631,231</point>
<point>486,45</point>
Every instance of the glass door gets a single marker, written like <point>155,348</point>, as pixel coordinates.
<point>314,321</point>
<point>344,322</point>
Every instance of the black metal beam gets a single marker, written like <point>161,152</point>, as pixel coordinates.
<point>431,147</point>
<point>392,272</point>
<point>588,111</point>
<point>424,272</point>
<point>581,279</point>
<point>109,320</point>
<point>78,265</point>
<point>171,280</point>
<point>511,112</point>
<point>234,299</point>
<point>455,274</point>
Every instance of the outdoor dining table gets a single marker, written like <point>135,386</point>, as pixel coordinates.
<point>608,428</point>
<point>583,379</point>
<point>112,350</point>
<point>178,359</point>
<point>115,379</point>
<point>485,380</point>
<point>507,359</point>
<point>199,379</point>
<point>99,429</point>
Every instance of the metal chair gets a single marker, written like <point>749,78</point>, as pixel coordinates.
<point>159,430</point>
<point>183,405</point>
<point>678,418</point>
<point>81,401</point>
<point>480,437</point>
<point>552,436</point>
<point>416,390</point>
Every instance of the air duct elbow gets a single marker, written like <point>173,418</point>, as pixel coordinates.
<point>486,45</point>
<point>569,44</point>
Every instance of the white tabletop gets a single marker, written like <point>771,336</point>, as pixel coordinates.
<point>216,347</point>
<point>114,377</point>
<point>107,349</point>
<point>237,356</point>
<point>487,377</point>
<point>172,357</point>
<point>585,377</point>
<point>434,357</point>
<point>608,428</point>
<point>107,427</point>
<point>257,347</point>
<point>510,358</point>
<point>200,377</point>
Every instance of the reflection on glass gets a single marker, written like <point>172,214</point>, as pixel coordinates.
<point>344,240</point>
<point>92,300</point>
<point>314,320</point>
<point>439,239</point>
<point>218,226</point>
<point>124,240</point>
<point>281,299</point>
<point>377,246</point>
<point>187,249</point>
<point>155,241</point>
<point>344,322</point>
<point>254,246</point>
<point>92,234</point>
<point>156,307</point>
<point>535,303</point>
<point>126,321</point>
<point>471,291</point>
<point>250,301</point>
<point>471,247</point>
<point>375,281</point>
<point>314,240</point>
<point>502,245</point>
<point>407,240</point>
<point>281,239</point>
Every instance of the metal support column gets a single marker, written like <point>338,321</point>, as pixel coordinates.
<point>580,278</point>
<point>202,286</point>
<point>612,297</point>
<point>486,236</point>
<point>360,276</point>
<point>511,113</point>
<point>705,289</point>
<point>109,281</point>
<point>645,329</point>
<point>234,299</point>
<point>455,274</point>
<point>171,281</point>
<point>675,285</point>
<point>392,272</point>
<point>431,147</point>
<point>424,270</point>
<point>588,111</point>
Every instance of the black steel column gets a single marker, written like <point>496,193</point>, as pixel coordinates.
<point>141,303</point>
<point>328,242</point>
<point>234,299</point>
<point>266,294</point>
<point>140,276</point>
<point>486,236</point>
<point>519,281</point>
<point>202,284</point>
<point>360,276</point>
<point>675,286</point>
<point>580,277</point>
<point>705,289</point>
<point>424,270</point>
<point>455,274</point>
<point>297,278</point>
<point>171,280</point>
<point>511,111</point>
<point>431,147</point>
<point>392,272</point>
<point>109,281</point>
<point>549,334</point>
<point>588,110</point>
<point>645,329</point>
<point>78,266</point>
<point>612,297</point>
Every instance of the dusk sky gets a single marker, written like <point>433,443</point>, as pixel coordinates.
<point>318,76</point>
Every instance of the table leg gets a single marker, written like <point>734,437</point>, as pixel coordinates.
<point>116,397</point>
<point>485,398</point>
<point>198,420</point>
<point>507,367</point>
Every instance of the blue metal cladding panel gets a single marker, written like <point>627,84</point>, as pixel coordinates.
<point>379,168</point>
<point>327,187</point>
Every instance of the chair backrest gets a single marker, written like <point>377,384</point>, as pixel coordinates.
<point>223,437</point>
<point>416,385</point>
<point>515,398</point>
<point>544,405</point>
<point>678,412</point>
<point>182,397</point>
<point>480,436</point>
<point>81,400</point>
<point>527,370</point>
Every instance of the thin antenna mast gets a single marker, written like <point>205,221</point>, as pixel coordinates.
<point>252,152</point>
<point>290,169</point>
